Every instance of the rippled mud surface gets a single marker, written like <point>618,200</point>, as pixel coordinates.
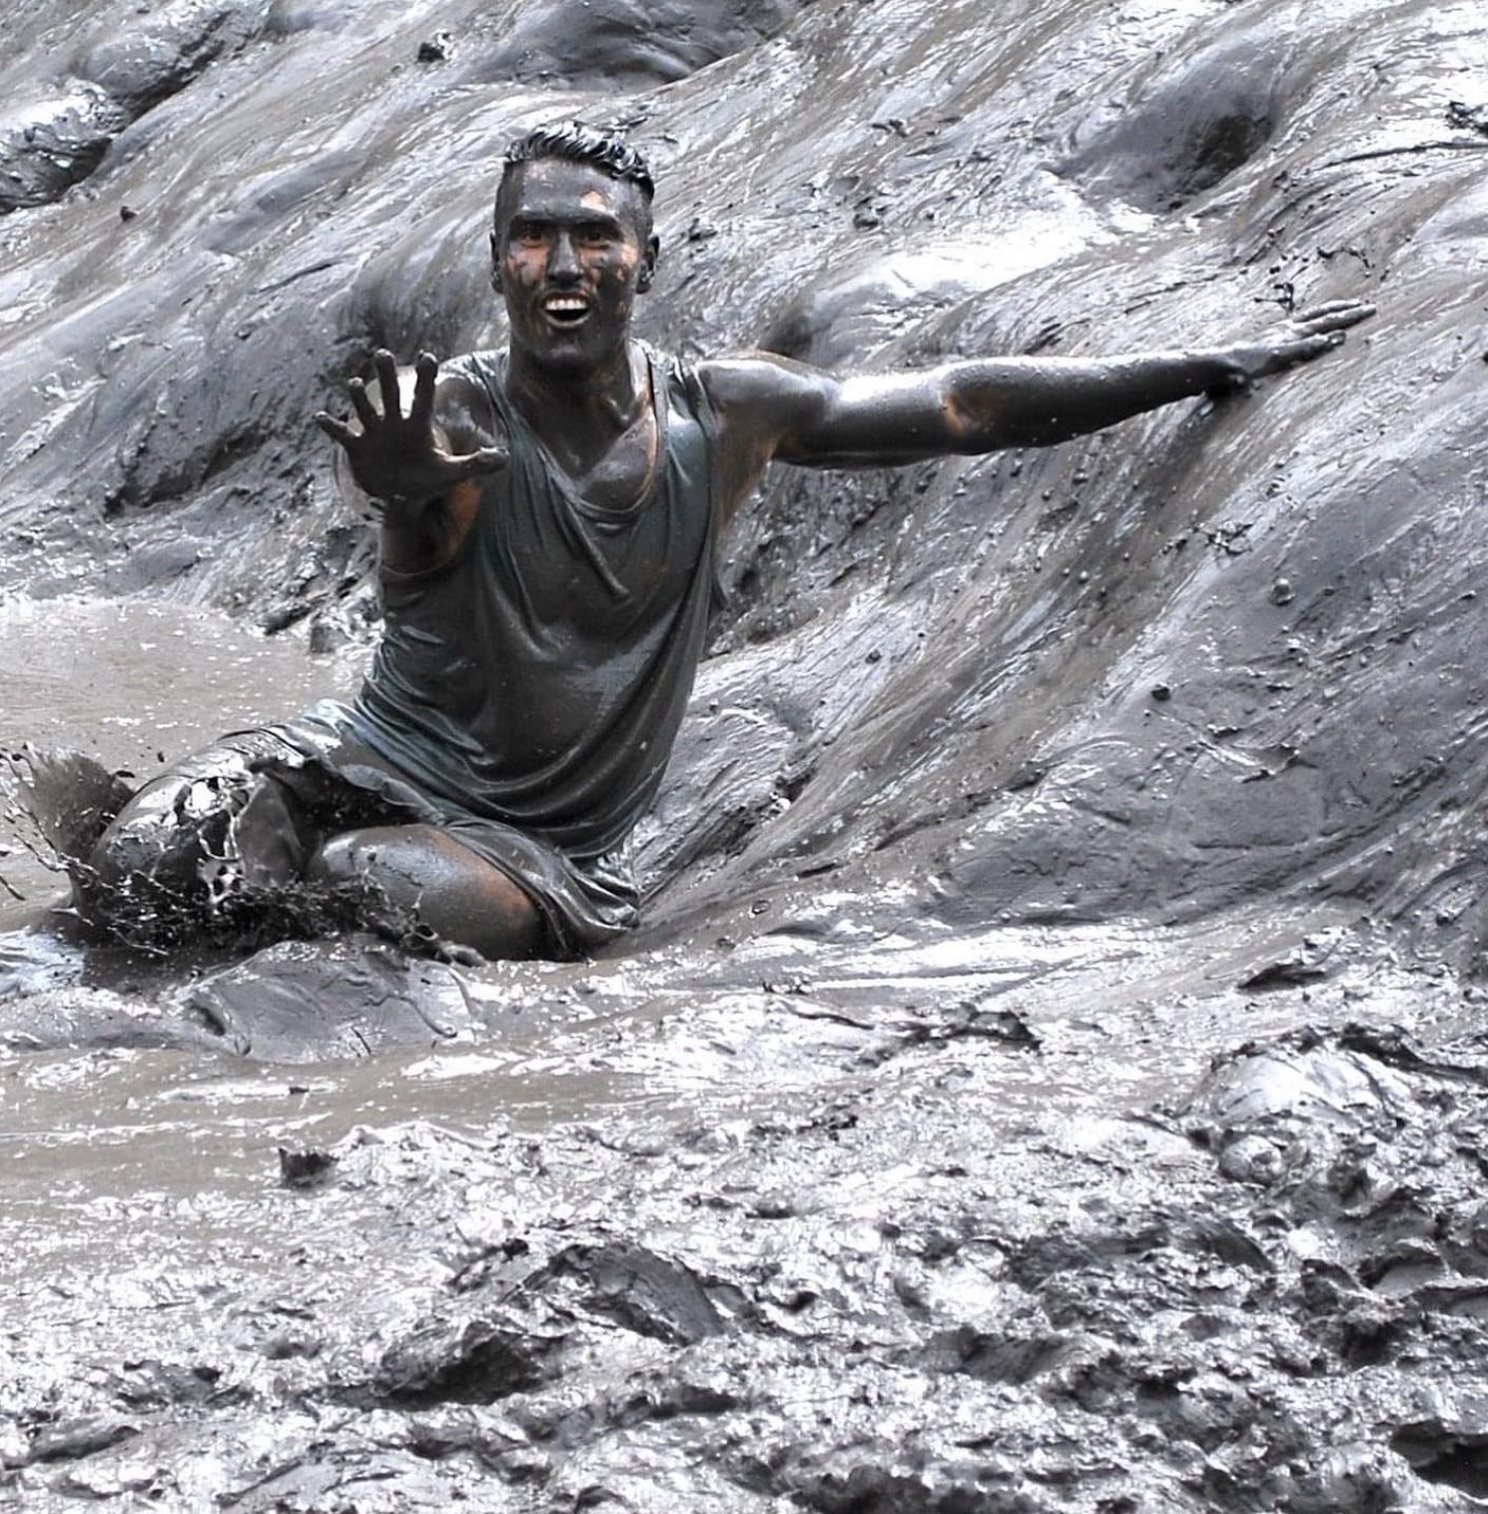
<point>1052,1074</point>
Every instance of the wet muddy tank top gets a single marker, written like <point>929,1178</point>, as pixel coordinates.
<point>539,678</point>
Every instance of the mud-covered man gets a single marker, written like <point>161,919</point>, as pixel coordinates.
<point>550,516</point>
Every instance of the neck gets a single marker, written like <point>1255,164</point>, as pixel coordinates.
<point>609,395</point>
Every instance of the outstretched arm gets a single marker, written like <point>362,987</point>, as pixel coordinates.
<point>422,467</point>
<point>776,409</point>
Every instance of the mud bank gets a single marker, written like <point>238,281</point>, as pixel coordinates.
<point>1004,1105</point>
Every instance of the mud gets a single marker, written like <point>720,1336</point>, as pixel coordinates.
<point>764,1259</point>
<point>1051,1074</point>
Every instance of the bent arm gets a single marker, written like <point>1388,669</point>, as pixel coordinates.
<point>424,467</point>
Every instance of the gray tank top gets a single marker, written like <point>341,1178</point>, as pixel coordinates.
<point>539,678</point>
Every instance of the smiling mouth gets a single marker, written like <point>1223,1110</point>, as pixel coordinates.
<point>565,309</point>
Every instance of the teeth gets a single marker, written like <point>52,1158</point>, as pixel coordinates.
<point>568,303</point>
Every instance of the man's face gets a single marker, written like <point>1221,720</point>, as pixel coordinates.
<point>568,254</point>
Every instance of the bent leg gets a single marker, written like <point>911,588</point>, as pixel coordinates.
<point>195,846</point>
<point>424,872</point>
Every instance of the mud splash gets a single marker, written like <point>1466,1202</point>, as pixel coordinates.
<point>1051,1074</point>
<point>134,684</point>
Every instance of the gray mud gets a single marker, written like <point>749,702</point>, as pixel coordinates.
<point>1052,1072</point>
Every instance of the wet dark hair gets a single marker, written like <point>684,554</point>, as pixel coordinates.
<point>576,143</point>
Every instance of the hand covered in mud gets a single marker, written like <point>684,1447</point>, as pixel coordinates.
<point>1305,336</point>
<point>397,458</point>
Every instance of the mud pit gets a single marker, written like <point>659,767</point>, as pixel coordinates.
<point>1052,1074</point>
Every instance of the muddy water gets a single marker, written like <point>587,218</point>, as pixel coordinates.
<point>136,684</point>
<point>1000,1107</point>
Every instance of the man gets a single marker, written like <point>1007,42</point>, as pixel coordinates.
<point>550,515</point>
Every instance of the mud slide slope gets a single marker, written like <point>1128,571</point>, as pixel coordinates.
<point>1213,655</point>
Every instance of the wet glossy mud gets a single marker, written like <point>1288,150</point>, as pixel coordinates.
<point>1004,1105</point>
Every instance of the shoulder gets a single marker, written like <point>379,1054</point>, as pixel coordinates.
<point>762,391</point>
<point>466,404</point>
<point>469,375</point>
<point>747,377</point>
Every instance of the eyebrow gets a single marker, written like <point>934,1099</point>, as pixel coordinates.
<point>585,219</point>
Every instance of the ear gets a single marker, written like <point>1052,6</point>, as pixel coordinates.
<point>648,265</point>
<point>495,263</point>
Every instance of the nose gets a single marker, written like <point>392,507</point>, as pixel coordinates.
<point>563,261</point>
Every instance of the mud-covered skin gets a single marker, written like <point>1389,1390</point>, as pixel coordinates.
<point>571,250</point>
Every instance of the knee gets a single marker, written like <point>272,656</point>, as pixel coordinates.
<point>142,875</point>
<point>416,880</point>
<point>338,859</point>
<point>211,829</point>
<point>151,838</point>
